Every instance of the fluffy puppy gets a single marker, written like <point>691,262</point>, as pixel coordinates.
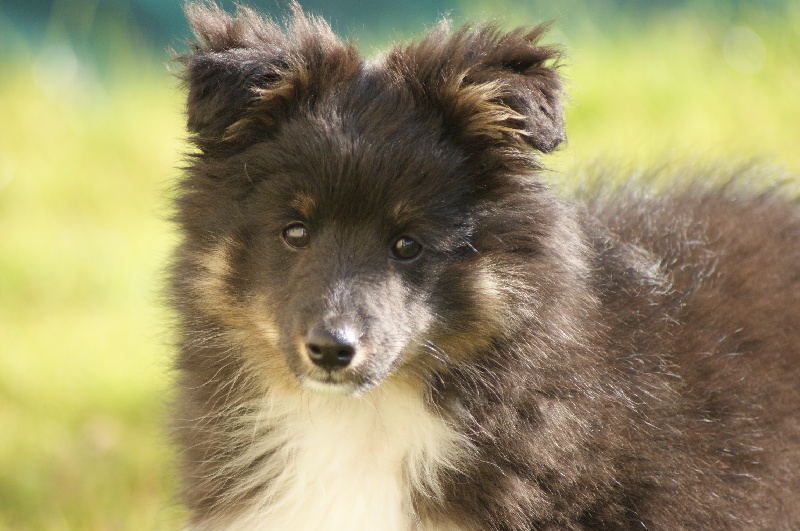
<point>388,321</point>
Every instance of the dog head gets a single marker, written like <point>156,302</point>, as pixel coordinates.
<point>347,218</point>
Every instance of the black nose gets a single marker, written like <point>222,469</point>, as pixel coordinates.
<point>331,349</point>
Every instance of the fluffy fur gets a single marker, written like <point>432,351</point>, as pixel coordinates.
<point>625,361</point>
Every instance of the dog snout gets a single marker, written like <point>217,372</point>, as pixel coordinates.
<point>331,348</point>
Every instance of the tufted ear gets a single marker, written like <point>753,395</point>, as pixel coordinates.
<point>246,72</point>
<point>489,85</point>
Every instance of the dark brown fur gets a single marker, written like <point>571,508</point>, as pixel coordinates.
<point>635,363</point>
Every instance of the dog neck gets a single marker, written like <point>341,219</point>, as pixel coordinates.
<point>319,461</point>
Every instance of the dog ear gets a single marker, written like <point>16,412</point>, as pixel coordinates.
<point>489,85</point>
<point>246,73</point>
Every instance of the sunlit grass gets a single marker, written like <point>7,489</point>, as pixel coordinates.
<point>681,88</point>
<point>84,360</point>
<point>84,165</point>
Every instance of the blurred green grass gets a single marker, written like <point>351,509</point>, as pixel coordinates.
<point>83,169</point>
<point>85,164</point>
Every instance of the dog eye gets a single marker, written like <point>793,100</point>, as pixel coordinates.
<point>296,235</point>
<point>405,248</point>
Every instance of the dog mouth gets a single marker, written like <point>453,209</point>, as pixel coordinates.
<point>348,381</point>
<point>331,385</point>
<point>340,360</point>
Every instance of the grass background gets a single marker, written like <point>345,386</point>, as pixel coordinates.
<point>87,157</point>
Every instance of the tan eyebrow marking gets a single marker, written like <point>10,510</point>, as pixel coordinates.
<point>303,203</point>
<point>403,212</point>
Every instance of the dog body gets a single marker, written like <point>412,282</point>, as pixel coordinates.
<point>389,322</point>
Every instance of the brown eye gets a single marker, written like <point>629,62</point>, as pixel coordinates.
<point>405,248</point>
<point>296,235</point>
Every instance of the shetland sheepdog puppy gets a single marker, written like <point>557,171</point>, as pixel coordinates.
<point>387,321</point>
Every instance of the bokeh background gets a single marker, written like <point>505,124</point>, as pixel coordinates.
<point>91,139</point>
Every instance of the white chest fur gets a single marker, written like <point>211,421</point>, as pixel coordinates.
<point>329,462</point>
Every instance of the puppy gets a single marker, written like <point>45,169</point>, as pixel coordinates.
<point>388,322</point>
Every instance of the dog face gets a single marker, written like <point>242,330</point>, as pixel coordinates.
<point>347,247</point>
<point>336,209</point>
